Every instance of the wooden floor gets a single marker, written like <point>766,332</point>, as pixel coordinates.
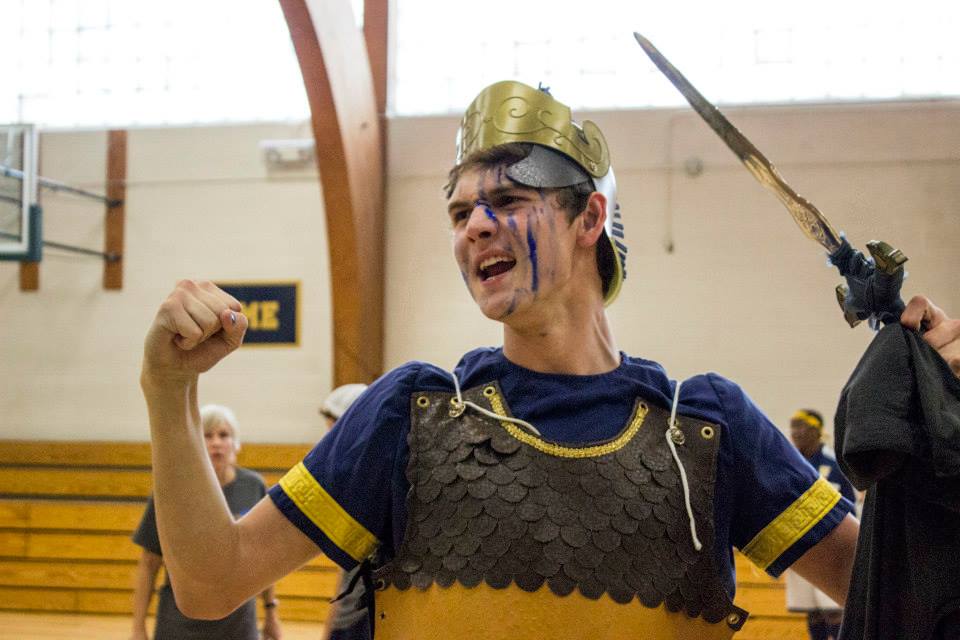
<point>54,626</point>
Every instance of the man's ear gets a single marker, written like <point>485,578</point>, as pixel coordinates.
<point>592,219</point>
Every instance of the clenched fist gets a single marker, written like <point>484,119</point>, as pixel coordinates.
<point>196,327</point>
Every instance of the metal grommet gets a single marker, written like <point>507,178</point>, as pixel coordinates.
<point>380,584</point>
<point>423,402</point>
<point>456,408</point>
<point>707,432</point>
<point>490,391</point>
<point>677,436</point>
<point>734,618</point>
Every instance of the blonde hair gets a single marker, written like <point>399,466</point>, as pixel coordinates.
<point>213,414</point>
<point>809,417</point>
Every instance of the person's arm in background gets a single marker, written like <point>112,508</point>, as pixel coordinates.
<point>147,567</point>
<point>333,609</point>
<point>271,618</point>
<point>828,565</point>
<point>215,564</point>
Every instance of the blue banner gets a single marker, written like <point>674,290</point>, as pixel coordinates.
<point>272,310</point>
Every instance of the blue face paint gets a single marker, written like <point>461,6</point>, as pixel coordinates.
<point>532,250</point>
<point>517,294</point>
<point>512,223</point>
<point>490,214</point>
<point>513,305</point>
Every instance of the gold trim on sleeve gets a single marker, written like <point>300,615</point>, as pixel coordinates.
<point>320,507</point>
<point>496,402</point>
<point>791,525</point>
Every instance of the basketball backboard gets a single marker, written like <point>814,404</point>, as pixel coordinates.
<point>19,210</point>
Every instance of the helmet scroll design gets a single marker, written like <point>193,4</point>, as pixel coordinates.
<point>513,112</point>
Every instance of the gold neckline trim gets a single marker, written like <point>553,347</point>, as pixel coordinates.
<point>560,451</point>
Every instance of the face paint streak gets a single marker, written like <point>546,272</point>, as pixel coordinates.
<point>481,192</point>
<point>513,305</point>
<point>490,214</point>
<point>532,247</point>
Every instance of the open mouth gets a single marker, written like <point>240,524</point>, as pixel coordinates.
<point>493,267</point>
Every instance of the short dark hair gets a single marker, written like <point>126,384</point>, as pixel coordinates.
<point>572,199</point>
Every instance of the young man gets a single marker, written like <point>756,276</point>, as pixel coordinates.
<point>554,487</point>
<point>823,614</point>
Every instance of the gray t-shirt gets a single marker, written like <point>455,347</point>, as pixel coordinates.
<point>241,494</point>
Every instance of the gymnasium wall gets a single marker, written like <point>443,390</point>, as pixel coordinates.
<point>200,203</point>
<point>739,291</point>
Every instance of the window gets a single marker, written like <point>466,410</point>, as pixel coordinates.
<point>749,51</point>
<point>95,63</point>
<point>80,63</point>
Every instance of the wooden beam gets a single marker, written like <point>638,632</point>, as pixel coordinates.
<point>337,76</point>
<point>376,34</point>
<point>116,193</point>
<point>29,276</point>
<point>84,483</point>
<point>106,453</point>
<point>30,270</point>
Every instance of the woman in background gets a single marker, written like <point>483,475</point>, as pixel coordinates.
<point>242,488</point>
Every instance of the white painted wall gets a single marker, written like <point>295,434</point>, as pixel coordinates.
<point>743,292</point>
<point>200,203</point>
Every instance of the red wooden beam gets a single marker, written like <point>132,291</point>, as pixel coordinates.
<point>116,194</point>
<point>336,72</point>
<point>30,270</point>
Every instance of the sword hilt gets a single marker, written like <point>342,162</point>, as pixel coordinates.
<point>872,289</point>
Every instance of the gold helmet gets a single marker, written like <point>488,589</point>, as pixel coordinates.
<point>564,153</point>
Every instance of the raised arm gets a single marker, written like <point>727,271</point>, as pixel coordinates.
<point>829,564</point>
<point>214,563</point>
<point>271,619</point>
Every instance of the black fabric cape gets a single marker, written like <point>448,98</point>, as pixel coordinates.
<point>898,437</point>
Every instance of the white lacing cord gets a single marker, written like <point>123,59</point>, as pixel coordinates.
<point>683,472</point>
<point>466,403</point>
<point>460,402</point>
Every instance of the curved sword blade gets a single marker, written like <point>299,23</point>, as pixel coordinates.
<point>813,223</point>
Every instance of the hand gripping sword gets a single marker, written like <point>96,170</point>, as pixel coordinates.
<point>872,288</point>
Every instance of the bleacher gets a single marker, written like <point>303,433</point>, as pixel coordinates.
<point>67,510</point>
<point>766,600</point>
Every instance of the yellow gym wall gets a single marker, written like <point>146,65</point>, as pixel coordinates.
<point>743,292</point>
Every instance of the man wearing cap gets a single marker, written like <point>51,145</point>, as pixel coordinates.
<point>339,400</point>
<point>551,487</point>
<point>823,613</point>
<point>346,617</point>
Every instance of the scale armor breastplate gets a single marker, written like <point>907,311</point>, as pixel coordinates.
<point>493,506</point>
